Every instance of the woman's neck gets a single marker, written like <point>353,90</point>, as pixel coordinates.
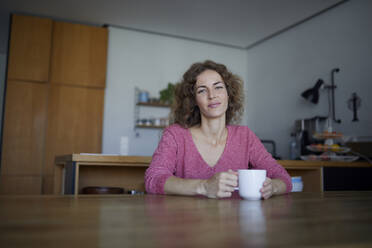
<point>214,130</point>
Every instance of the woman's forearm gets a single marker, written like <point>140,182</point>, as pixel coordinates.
<point>179,186</point>
<point>220,185</point>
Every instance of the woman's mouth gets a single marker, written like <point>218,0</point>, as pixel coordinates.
<point>214,105</point>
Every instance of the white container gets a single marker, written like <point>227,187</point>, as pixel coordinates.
<point>297,184</point>
<point>124,145</point>
<point>143,96</point>
<point>250,183</point>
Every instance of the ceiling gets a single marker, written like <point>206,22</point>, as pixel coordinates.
<point>235,23</point>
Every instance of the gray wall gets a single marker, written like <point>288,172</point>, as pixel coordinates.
<point>282,67</point>
<point>4,29</point>
<point>3,58</point>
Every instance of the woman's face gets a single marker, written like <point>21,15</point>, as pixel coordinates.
<point>211,94</point>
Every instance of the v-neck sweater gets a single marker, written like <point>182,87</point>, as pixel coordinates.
<point>177,155</point>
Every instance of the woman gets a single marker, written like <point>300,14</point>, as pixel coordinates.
<point>201,153</point>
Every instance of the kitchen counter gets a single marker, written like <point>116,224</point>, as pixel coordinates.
<point>145,161</point>
<point>76,171</point>
<point>302,163</point>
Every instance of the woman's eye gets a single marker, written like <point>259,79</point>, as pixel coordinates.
<point>219,87</point>
<point>201,91</point>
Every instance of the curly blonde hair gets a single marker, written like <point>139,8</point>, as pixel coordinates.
<point>185,111</point>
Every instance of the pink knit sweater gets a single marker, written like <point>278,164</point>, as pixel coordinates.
<point>177,155</point>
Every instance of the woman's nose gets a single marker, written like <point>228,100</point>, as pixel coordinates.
<point>211,94</point>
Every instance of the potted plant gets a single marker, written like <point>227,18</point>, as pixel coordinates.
<point>167,94</point>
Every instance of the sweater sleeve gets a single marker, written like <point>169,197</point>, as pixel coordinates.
<point>260,158</point>
<point>163,164</point>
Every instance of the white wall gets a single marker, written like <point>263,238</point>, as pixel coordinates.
<point>282,67</point>
<point>149,61</point>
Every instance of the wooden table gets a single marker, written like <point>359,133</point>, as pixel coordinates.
<point>329,219</point>
<point>76,171</point>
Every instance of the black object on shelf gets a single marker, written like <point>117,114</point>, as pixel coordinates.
<point>273,146</point>
<point>304,141</point>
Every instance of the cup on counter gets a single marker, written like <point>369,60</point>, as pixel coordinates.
<point>250,183</point>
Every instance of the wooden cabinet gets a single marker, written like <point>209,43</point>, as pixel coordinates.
<point>79,55</point>
<point>54,99</point>
<point>312,172</point>
<point>29,48</point>
<point>23,138</point>
<point>74,124</point>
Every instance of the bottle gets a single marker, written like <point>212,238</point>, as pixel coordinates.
<point>293,147</point>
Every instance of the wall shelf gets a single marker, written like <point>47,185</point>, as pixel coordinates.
<point>149,121</point>
<point>154,104</point>
<point>150,126</point>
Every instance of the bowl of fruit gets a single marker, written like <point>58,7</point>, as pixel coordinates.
<point>327,148</point>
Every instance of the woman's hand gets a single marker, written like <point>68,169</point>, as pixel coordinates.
<point>269,188</point>
<point>221,184</point>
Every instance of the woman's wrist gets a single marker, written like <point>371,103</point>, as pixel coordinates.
<point>279,187</point>
<point>200,187</point>
<point>275,187</point>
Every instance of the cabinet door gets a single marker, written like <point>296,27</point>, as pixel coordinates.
<point>23,137</point>
<point>74,124</point>
<point>29,48</point>
<point>79,55</point>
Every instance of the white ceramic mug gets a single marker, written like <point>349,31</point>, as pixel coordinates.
<point>250,183</point>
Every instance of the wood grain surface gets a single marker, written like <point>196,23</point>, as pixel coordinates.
<point>30,48</point>
<point>79,55</point>
<point>331,219</point>
<point>23,137</point>
<point>102,158</point>
<point>74,123</point>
